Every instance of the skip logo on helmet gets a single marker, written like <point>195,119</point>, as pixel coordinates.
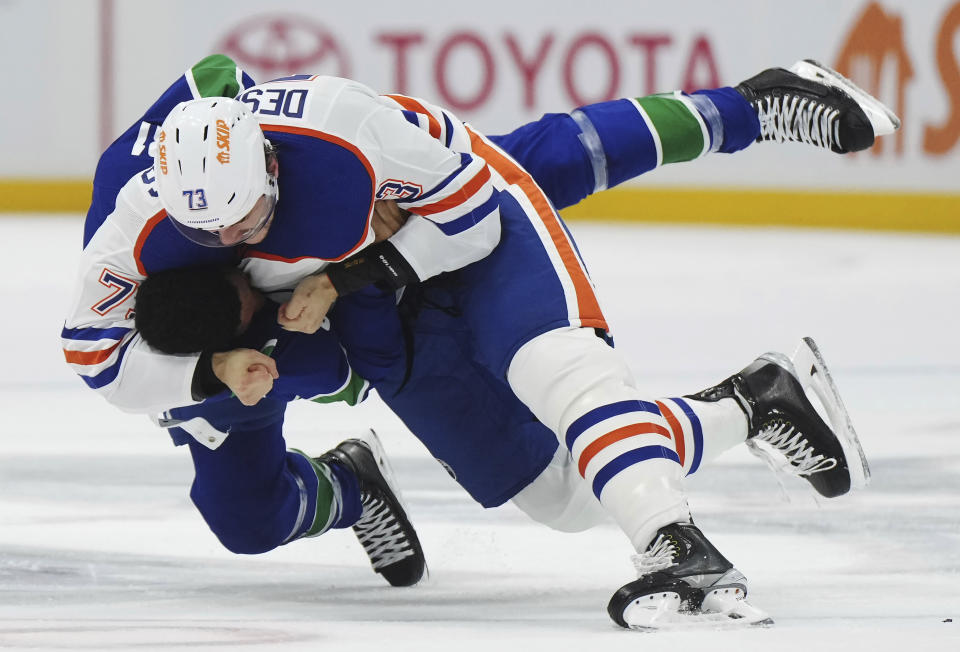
<point>162,152</point>
<point>223,142</point>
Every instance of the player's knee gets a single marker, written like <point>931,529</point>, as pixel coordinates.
<point>564,373</point>
<point>559,498</point>
<point>242,541</point>
<point>237,529</point>
<point>569,518</point>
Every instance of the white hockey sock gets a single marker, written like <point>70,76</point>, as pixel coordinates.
<point>703,430</point>
<point>622,446</point>
<point>633,453</point>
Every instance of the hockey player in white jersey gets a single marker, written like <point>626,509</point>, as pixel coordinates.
<point>486,439</point>
<point>339,148</point>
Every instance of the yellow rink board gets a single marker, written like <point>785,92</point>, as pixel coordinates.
<point>884,211</point>
<point>927,212</point>
<point>47,196</point>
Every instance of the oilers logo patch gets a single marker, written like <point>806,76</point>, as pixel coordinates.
<point>398,189</point>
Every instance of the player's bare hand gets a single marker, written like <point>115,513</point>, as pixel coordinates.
<point>307,308</point>
<point>249,374</point>
<point>387,218</point>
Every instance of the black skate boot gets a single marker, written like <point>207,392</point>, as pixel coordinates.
<point>783,423</point>
<point>812,104</point>
<point>684,581</point>
<point>384,530</point>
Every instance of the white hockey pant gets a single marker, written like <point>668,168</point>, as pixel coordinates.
<point>632,453</point>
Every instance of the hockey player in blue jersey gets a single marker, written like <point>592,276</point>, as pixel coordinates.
<point>341,148</point>
<point>252,491</point>
<point>471,421</point>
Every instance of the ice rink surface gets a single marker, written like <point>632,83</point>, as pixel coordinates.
<point>101,549</point>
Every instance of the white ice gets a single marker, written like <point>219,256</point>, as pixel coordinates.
<point>101,549</point>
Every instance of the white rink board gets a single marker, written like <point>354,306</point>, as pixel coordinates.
<point>100,548</point>
<point>497,67</point>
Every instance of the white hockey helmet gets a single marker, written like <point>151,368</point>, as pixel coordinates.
<point>211,171</point>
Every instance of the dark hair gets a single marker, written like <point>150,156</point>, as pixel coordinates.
<point>189,310</point>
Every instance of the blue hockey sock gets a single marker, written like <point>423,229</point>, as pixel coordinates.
<point>349,490</point>
<point>735,118</point>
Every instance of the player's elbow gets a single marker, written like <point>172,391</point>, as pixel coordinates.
<point>491,233</point>
<point>484,237</point>
<point>133,402</point>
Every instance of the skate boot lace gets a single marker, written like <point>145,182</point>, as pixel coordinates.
<point>658,556</point>
<point>798,119</point>
<point>380,534</point>
<point>801,457</point>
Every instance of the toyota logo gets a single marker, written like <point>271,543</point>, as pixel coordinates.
<point>274,46</point>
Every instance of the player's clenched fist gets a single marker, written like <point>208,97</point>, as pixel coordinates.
<point>249,374</point>
<point>307,308</point>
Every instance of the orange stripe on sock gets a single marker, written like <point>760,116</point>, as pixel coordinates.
<point>587,304</point>
<point>676,428</point>
<point>411,104</point>
<point>612,437</point>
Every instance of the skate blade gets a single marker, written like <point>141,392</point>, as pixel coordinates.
<point>813,374</point>
<point>883,120</point>
<point>724,609</point>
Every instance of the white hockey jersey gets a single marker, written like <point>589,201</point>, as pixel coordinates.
<point>340,148</point>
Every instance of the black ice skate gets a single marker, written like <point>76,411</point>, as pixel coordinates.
<point>784,425</point>
<point>384,530</point>
<point>812,104</point>
<point>683,582</point>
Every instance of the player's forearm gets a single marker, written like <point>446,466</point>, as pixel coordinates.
<point>430,251</point>
<point>452,195</point>
<point>150,382</point>
<point>370,333</point>
<point>380,262</point>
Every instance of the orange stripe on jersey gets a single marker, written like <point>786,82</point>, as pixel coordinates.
<point>612,437</point>
<point>411,104</point>
<point>330,138</point>
<point>142,238</point>
<point>676,428</point>
<point>89,357</point>
<point>468,190</point>
<point>587,304</point>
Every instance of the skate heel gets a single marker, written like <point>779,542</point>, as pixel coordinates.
<point>691,585</point>
<point>727,600</point>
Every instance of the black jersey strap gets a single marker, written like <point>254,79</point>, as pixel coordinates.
<point>378,262</point>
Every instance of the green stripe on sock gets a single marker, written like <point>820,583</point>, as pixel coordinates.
<point>680,132</point>
<point>326,497</point>
<point>216,76</point>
